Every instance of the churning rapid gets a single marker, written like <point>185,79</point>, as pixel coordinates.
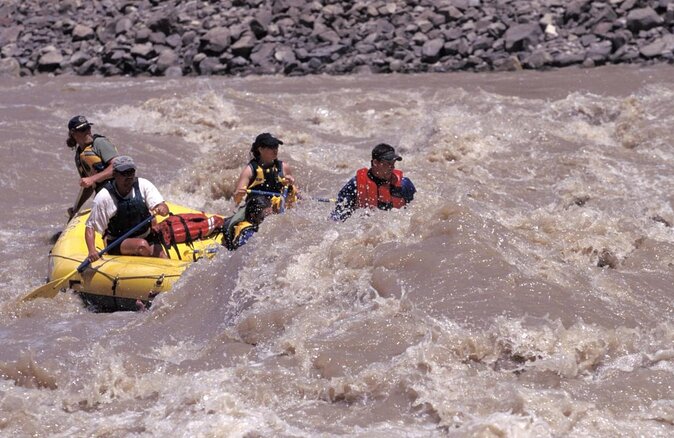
<point>526,292</point>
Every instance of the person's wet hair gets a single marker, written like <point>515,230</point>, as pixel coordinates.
<point>255,207</point>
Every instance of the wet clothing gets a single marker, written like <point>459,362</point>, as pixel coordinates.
<point>367,191</point>
<point>130,211</point>
<point>95,157</point>
<point>134,208</point>
<point>268,178</point>
<point>238,230</point>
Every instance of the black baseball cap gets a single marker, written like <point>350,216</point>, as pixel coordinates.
<point>266,140</point>
<point>78,122</point>
<point>385,152</point>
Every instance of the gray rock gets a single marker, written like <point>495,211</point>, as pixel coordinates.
<point>285,55</point>
<point>511,63</point>
<point>659,47</point>
<point>78,58</point>
<point>157,38</point>
<point>431,50</point>
<point>569,58</point>
<point>599,51</point>
<point>81,32</point>
<point>89,66</point>
<point>50,61</point>
<point>173,72</point>
<point>123,25</point>
<point>167,58</point>
<point>263,53</point>
<point>216,40</point>
<point>244,46</point>
<point>521,36</point>
<point>145,50</point>
<point>209,66</point>
<point>643,19</point>
<point>10,67</point>
<point>142,35</point>
<point>174,40</point>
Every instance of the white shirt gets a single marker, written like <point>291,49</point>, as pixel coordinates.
<point>105,206</point>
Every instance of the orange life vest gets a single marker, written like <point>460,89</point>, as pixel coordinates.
<point>186,228</point>
<point>370,195</point>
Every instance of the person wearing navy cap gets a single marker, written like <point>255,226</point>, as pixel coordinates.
<point>93,158</point>
<point>381,186</point>
<point>265,173</point>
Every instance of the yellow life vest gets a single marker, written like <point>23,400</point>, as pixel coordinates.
<point>88,162</point>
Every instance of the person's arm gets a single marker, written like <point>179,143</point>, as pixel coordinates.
<point>107,153</point>
<point>242,184</point>
<point>153,199</point>
<point>90,181</point>
<point>406,191</point>
<point>90,239</point>
<point>346,201</point>
<point>160,209</point>
<point>288,174</point>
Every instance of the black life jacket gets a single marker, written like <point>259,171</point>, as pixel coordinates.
<point>267,178</point>
<point>130,212</point>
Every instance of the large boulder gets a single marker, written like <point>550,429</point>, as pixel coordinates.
<point>520,37</point>
<point>82,32</point>
<point>432,50</point>
<point>643,19</point>
<point>659,47</point>
<point>10,67</point>
<point>216,40</point>
<point>50,61</point>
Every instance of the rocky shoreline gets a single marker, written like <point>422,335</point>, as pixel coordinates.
<point>297,37</point>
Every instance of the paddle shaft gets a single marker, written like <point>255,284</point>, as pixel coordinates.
<point>265,193</point>
<point>50,289</point>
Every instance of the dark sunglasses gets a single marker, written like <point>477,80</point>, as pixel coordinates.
<point>83,129</point>
<point>130,172</point>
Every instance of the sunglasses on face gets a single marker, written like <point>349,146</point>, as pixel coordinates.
<point>127,173</point>
<point>83,129</point>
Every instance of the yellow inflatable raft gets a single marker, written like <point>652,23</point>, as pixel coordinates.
<point>118,282</point>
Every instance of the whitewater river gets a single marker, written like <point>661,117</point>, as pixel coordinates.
<point>526,292</point>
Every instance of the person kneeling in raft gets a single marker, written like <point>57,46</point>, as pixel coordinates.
<point>120,205</point>
<point>238,229</point>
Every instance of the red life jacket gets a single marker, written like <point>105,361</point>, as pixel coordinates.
<point>187,227</point>
<point>372,196</point>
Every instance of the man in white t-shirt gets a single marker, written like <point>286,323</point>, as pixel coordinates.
<point>120,205</point>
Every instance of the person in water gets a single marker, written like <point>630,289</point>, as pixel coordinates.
<point>120,205</point>
<point>381,186</point>
<point>240,227</point>
<point>266,173</point>
<point>93,158</point>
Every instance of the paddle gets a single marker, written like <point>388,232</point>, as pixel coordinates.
<point>72,211</point>
<point>50,289</point>
<point>313,198</point>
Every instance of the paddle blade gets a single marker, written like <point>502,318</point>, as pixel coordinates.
<point>50,289</point>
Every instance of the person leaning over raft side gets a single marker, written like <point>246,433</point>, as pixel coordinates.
<point>380,186</point>
<point>119,206</point>
<point>93,158</point>
<point>245,222</point>
<point>265,172</point>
